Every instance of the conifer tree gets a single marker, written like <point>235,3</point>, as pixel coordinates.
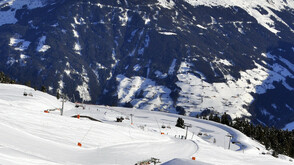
<point>57,95</point>
<point>43,88</point>
<point>180,123</point>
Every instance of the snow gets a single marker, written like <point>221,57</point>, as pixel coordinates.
<point>160,74</point>
<point>61,84</point>
<point>146,20</point>
<point>10,61</point>
<point>137,67</point>
<point>145,44</point>
<point>41,46</point>
<point>168,33</point>
<point>169,4</point>
<point>76,34</point>
<point>223,61</point>
<point>251,6</point>
<point>30,136</point>
<point>22,56</point>
<point>132,35</point>
<point>123,17</point>
<point>197,95</point>
<point>77,48</point>
<point>22,59</point>
<point>97,68</point>
<point>55,25</point>
<point>67,72</point>
<point>19,44</point>
<point>290,108</point>
<point>100,66</point>
<point>79,21</point>
<point>230,96</point>
<point>84,88</point>
<point>288,63</point>
<point>201,27</point>
<point>171,69</point>
<point>178,161</point>
<point>115,62</point>
<point>8,17</point>
<point>153,96</point>
<point>289,126</point>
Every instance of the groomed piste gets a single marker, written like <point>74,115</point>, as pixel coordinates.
<point>30,136</point>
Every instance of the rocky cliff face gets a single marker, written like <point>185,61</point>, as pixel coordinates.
<point>181,56</point>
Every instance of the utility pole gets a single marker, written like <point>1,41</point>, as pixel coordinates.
<point>63,100</point>
<point>187,126</point>
<point>131,118</point>
<point>243,146</point>
<point>230,136</point>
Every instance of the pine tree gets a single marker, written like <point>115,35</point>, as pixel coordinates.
<point>210,117</point>
<point>5,79</point>
<point>43,88</point>
<point>57,95</point>
<point>28,83</point>
<point>216,118</point>
<point>225,119</point>
<point>181,110</point>
<point>180,123</point>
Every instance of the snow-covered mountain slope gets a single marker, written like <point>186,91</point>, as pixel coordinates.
<point>30,136</point>
<point>184,56</point>
<point>263,10</point>
<point>9,8</point>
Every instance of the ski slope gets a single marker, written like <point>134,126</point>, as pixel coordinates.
<point>30,136</point>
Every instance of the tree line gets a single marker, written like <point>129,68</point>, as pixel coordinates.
<point>5,79</point>
<point>277,140</point>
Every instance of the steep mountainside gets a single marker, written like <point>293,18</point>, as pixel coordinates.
<point>169,55</point>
